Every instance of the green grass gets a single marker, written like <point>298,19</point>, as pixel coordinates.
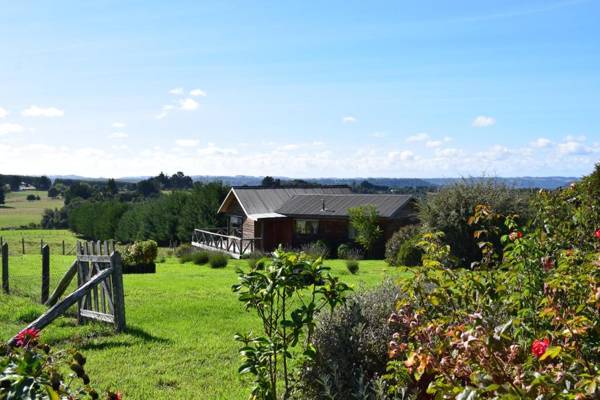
<point>32,237</point>
<point>18,211</point>
<point>181,322</point>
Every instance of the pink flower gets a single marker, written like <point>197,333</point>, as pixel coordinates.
<point>27,337</point>
<point>597,234</point>
<point>515,235</point>
<point>539,347</point>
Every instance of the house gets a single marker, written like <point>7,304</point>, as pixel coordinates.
<point>261,218</point>
<point>26,186</point>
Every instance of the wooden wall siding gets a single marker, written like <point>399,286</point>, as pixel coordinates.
<point>248,227</point>
<point>235,209</point>
<point>334,232</point>
<point>276,231</point>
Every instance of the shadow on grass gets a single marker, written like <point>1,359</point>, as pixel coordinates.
<point>114,341</point>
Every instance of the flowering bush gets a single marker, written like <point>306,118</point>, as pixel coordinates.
<point>141,253</point>
<point>31,370</point>
<point>523,323</point>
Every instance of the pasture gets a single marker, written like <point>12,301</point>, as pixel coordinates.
<point>181,322</point>
<point>18,211</point>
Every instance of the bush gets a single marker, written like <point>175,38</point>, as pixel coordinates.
<point>347,251</point>
<point>351,351</point>
<point>200,257</point>
<point>30,370</point>
<point>352,266</point>
<point>143,252</point>
<point>316,249</point>
<point>449,211</point>
<point>409,254</point>
<point>32,197</point>
<point>392,246</point>
<point>184,249</point>
<point>218,260</point>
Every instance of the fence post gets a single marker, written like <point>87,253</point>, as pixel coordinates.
<point>5,287</point>
<point>23,245</point>
<point>63,245</point>
<point>45,273</point>
<point>118,292</point>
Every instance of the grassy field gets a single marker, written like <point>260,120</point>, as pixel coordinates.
<point>18,211</point>
<point>32,238</point>
<point>181,322</point>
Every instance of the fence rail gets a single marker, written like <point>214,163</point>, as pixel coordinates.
<point>212,239</point>
<point>24,246</point>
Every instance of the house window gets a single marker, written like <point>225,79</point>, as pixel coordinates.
<point>235,225</point>
<point>351,232</point>
<point>307,226</point>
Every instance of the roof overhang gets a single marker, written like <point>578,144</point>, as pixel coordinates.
<point>256,217</point>
<point>231,196</point>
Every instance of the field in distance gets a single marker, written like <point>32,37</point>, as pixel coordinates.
<point>18,211</point>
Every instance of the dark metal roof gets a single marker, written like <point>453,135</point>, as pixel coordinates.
<point>337,205</point>
<point>268,200</point>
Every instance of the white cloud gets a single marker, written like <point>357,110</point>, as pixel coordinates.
<point>573,138</point>
<point>572,147</point>
<point>120,147</point>
<point>165,111</point>
<point>35,111</point>
<point>9,128</point>
<point>483,121</point>
<point>118,125</point>
<point>118,135</point>
<point>187,142</point>
<point>405,155</point>
<point>433,143</point>
<point>197,92</point>
<point>176,91</point>
<point>418,137</point>
<point>541,143</point>
<point>349,119</point>
<point>3,112</point>
<point>188,104</point>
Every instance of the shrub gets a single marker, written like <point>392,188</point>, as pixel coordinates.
<point>184,250</point>
<point>347,251</point>
<point>449,210</point>
<point>350,344</point>
<point>138,253</point>
<point>392,246</point>
<point>409,254</point>
<point>286,297</point>
<point>30,370</point>
<point>200,257</point>
<point>32,197</point>
<point>316,249</point>
<point>352,266</point>
<point>218,260</point>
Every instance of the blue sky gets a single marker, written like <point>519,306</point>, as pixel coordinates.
<point>302,89</point>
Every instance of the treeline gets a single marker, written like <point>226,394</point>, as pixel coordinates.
<point>13,182</point>
<point>163,218</point>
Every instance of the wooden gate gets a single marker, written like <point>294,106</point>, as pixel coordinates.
<point>105,301</point>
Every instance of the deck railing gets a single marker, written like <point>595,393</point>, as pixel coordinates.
<point>218,239</point>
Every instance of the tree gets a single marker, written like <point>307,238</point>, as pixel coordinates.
<point>1,195</point>
<point>81,190</point>
<point>111,186</point>
<point>148,187</point>
<point>53,192</point>
<point>363,220</point>
<point>269,181</point>
<point>44,183</point>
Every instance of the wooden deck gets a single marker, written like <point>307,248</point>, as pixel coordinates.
<point>217,239</point>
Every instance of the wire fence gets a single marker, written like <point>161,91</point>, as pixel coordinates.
<point>23,275</point>
<point>28,246</point>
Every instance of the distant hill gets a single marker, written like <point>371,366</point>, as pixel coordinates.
<point>524,182</point>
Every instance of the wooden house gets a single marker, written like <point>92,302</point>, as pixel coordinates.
<point>261,218</point>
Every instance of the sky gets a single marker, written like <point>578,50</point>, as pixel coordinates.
<point>300,88</point>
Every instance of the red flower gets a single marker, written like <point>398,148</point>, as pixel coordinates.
<point>515,235</point>
<point>539,347</point>
<point>27,336</point>
<point>547,263</point>
<point>597,234</point>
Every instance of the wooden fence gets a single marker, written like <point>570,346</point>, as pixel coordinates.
<point>99,295</point>
<point>24,247</point>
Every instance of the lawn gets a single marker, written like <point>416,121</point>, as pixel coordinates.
<point>18,211</point>
<point>181,322</point>
<point>34,237</point>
